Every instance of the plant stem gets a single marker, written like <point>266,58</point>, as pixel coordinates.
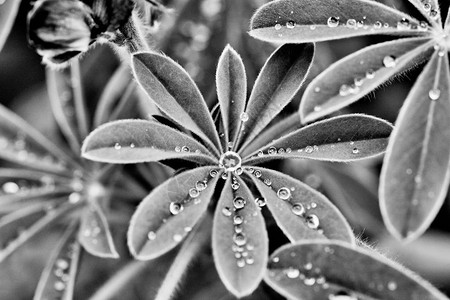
<point>190,249</point>
<point>134,37</point>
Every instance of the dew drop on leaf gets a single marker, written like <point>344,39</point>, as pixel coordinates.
<point>226,211</point>
<point>290,24</point>
<point>298,209</point>
<point>239,171</point>
<point>194,193</point>
<point>257,173</point>
<point>434,94</point>
<point>239,239</point>
<point>312,27</point>
<point>403,24</point>
<point>239,202</point>
<point>284,193</point>
<point>213,173</point>
<point>434,14</point>
<point>151,235</point>
<point>312,221</point>
<point>351,23</point>
<point>355,151</point>
<point>235,185</point>
<point>175,208</point>
<point>74,197</point>
<point>10,187</point>
<point>377,25</point>
<point>309,281</point>
<point>261,202</point>
<point>370,74</point>
<point>240,262</point>
<point>392,285</point>
<point>185,149</point>
<point>177,237</point>
<point>389,61</point>
<point>272,151</point>
<point>333,22</point>
<point>200,185</point>
<point>278,26</point>
<point>237,220</point>
<point>267,182</point>
<point>292,273</point>
<point>59,286</point>
<point>309,149</point>
<point>342,295</point>
<point>117,146</point>
<point>317,89</point>
<point>244,117</point>
<point>132,145</point>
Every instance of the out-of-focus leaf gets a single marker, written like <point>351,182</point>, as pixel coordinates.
<point>239,242</point>
<point>8,13</point>
<point>231,82</point>
<point>281,128</point>
<point>21,143</point>
<point>95,235</point>
<point>175,93</point>
<point>300,211</point>
<point>447,22</point>
<point>335,270</point>
<point>279,81</point>
<point>343,138</point>
<point>58,278</point>
<point>300,21</point>
<point>134,141</point>
<point>415,174</point>
<point>429,9</point>
<point>169,212</point>
<point>35,228</point>
<point>358,74</point>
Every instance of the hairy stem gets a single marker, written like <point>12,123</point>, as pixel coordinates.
<point>188,251</point>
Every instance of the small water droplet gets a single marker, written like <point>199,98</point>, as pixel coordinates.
<point>177,237</point>
<point>434,94</point>
<point>317,89</point>
<point>226,211</point>
<point>434,14</point>
<point>333,22</point>
<point>257,173</point>
<point>298,209</point>
<point>312,221</point>
<point>290,24</point>
<point>239,171</point>
<point>377,25</point>
<point>278,26</point>
<point>423,26</point>
<point>358,81</point>
<point>272,151</point>
<point>261,202</point>
<point>250,260</point>
<point>224,175</point>
<point>74,197</point>
<point>355,151</point>
<point>175,208</point>
<point>201,185</point>
<point>117,146</point>
<point>59,286</point>
<point>392,285</point>
<point>403,24</point>
<point>235,185</point>
<point>389,61</point>
<point>292,273</point>
<point>10,187</point>
<point>239,239</point>
<point>309,281</point>
<point>194,193</point>
<point>351,23</point>
<point>132,145</point>
<point>312,27</point>
<point>344,90</point>
<point>260,153</point>
<point>426,6</point>
<point>267,182</point>
<point>237,220</point>
<point>62,264</point>
<point>370,74</point>
<point>284,193</point>
<point>151,235</point>
<point>239,202</point>
<point>244,117</point>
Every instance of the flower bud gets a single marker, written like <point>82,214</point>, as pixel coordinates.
<point>60,29</point>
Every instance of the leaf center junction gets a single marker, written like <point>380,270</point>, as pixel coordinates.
<point>230,161</point>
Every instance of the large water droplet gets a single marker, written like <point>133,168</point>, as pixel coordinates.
<point>312,221</point>
<point>10,187</point>
<point>434,94</point>
<point>175,208</point>
<point>151,235</point>
<point>272,151</point>
<point>333,22</point>
<point>284,193</point>
<point>239,202</point>
<point>298,209</point>
<point>389,61</point>
<point>292,273</point>
<point>230,161</point>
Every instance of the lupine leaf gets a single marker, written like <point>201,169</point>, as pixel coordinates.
<point>175,93</point>
<point>300,21</point>
<point>58,278</point>
<point>358,74</point>
<point>8,13</point>
<point>279,81</point>
<point>447,21</point>
<point>300,211</point>
<point>281,128</point>
<point>154,230</point>
<point>95,235</point>
<point>430,9</point>
<point>34,229</point>
<point>343,138</point>
<point>231,82</point>
<point>21,143</point>
<point>239,242</point>
<point>415,175</point>
<point>134,141</point>
<point>337,270</point>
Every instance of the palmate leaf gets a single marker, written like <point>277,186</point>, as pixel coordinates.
<point>95,235</point>
<point>344,138</point>
<point>300,211</point>
<point>279,81</point>
<point>239,242</point>
<point>231,82</point>
<point>337,270</point>
<point>415,174</point>
<point>170,212</point>
<point>8,13</point>
<point>358,74</point>
<point>300,21</point>
<point>175,93</point>
<point>134,141</point>
<point>57,281</point>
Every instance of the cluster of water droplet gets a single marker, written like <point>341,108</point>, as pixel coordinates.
<point>25,187</point>
<point>61,269</point>
<point>92,229</point>
<point>428,7</point>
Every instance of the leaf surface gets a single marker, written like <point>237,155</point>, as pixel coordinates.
<point>343,138</point>
<point>239,242</point>
<point>8,13</point>
<point>429,9</point>
<point>231,82</point>
<point>300,21</point>
<point>300,211</point>
<point>134,141</point>
<point>279,81</point>
<point>415,174</point>
<point>337,270</point>
<point>154,229</point>
<point>358,74</point>
<point>175,93</point>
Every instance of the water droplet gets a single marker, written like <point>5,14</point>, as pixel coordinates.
<point>177,149</point>
<point>239,239</point>
<point>224,176</point>
<point>317,89</point>
<point>226,211</point>
<point>281,151</point>
<point>260,153</point>
<point>308,266</point>
<point>240,262</point>
<point>312,221</point>
<point>434,94</point>
<point>239,171</point>
<point>237,220</point>
<point>74,197</point>
<point>292,273</point>
<point>434,14</point>
<point>342,295</point>
<point>185,149</point>
<point>132,145</point>
<point>389,61</point>
<point>290,24</point>
<point>177,237</point>
<point>151,235</point>
<point>244,117</point>
<point>392,285</point>
<point>333,22</point>
<point>235,185</point>
<point>358,81</point>
<point>261,202</point>
<point>426,6</point>
<point>201,185</point>
<point>313,204</point>
<point>312,27</point>
<point>403,24</point>
<point>309,149</point>
<point>194,193</point>
<point>250,260</point>
<point>59,286</point>
<point>230,161</point>
<point>278,26</point>
<point>288,150</point>
<point>175,208</point>
<point>298,209</point>
<point>272,151</point>
<point>377,25</point>
<point>423,26</point>
<point>62,264</point>
<point>257,173</point>
<point>370,74</point>
<point>213,173</point>
<point>355,151</point>
<point>284,193</point>
<point>344,90</point>
<point>309,281</point>
<point>10,187</point>
<point>267,182</point>
<point>239,202</point>
<point>117,146</point>
<point>351,23</point>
